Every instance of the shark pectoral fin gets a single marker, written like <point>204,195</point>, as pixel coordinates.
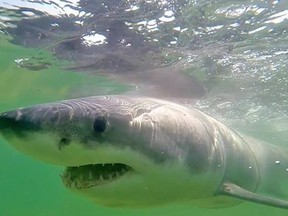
<point>233,190</point>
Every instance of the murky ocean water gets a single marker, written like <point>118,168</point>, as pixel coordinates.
<point>227,58</point>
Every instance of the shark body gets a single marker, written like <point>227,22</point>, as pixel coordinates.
<point>125,151</point>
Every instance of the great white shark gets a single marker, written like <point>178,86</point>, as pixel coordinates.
<point>127,151</point>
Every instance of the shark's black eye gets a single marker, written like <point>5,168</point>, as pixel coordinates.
<point>100,124</point>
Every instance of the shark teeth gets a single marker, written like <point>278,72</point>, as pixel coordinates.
<point>86,176</point>
<point>90,175</point>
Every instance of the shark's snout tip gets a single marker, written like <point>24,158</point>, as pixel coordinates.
<point>12,121</point>
<point>7,120</point>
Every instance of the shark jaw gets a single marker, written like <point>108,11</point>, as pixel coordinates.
<point>93,175</point>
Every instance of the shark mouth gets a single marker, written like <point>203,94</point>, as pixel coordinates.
<point>87,176</point>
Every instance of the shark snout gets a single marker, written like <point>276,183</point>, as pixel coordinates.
<point>15,121</point>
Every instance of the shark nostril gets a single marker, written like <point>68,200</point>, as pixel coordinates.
<point>63,142</point>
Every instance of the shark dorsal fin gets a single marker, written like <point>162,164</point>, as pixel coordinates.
<point>234,190</point>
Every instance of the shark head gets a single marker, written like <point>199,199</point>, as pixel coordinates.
<point>118,151</point>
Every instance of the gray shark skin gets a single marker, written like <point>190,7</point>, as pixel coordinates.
<point>125,151</point>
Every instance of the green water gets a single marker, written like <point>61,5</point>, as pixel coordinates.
<point>32,188</point>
